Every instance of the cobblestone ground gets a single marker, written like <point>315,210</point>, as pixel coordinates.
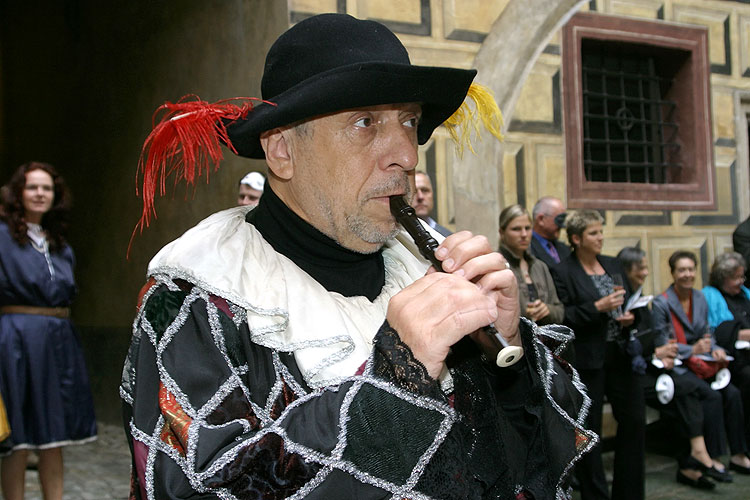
<point>100,471</point>
<point>94,471</point>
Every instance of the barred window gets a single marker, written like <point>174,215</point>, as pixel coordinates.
<point>629,127</point>
<point>636,97</point>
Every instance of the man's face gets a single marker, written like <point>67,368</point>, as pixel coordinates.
<point>544,224</point>
<point>423,200</point>
<point>346,165</point>
<point>248,196</point>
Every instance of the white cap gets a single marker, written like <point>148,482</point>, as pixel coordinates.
<point>255,180</point>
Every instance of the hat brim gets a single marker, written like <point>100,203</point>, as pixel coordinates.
<point>440,91</point>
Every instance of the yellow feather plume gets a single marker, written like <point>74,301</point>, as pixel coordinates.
<point>466,119</point>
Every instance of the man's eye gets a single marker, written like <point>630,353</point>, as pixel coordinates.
<point>412,122</point>
<point>363,122</point>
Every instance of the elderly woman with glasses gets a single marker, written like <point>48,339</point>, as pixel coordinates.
<point>729,316</point>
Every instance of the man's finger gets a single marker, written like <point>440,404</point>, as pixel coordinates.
<point>457,252</point>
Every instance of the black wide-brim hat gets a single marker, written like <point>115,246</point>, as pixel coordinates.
<point>333,62</point>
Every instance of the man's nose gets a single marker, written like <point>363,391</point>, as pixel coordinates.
<point>402,148</point>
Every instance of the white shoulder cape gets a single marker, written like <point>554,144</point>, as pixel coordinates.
<point>329,334</point>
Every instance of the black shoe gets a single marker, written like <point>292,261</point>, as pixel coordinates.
<point>739,468</point>
<point>721,476</point>
<point>690,462</point>
<point>702,483</point>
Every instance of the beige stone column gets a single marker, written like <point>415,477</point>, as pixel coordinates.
<point>504,60</point>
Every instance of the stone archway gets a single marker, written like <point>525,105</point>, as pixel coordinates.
<point>504,60</point>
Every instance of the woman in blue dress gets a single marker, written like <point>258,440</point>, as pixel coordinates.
<point>43,378</point>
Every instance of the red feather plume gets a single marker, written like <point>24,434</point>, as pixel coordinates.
<point>186,140</point>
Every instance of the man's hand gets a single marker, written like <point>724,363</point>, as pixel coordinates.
<point>437,310</point>
<point>472,257</point>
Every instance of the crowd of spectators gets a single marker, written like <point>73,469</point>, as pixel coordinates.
<point>685,352</point>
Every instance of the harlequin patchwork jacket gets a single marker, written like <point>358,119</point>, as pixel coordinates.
<point>246,379</point>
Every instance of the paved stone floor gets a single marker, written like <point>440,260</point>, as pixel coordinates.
<point>94,471</point>
<point>100,471</point>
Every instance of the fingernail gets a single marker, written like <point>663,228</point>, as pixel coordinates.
<point>441,252</point>
<point>448,264</point>
<point>460,272</point>
<point>493,312</point>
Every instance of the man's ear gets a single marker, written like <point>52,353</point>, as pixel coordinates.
<point>278,154</point>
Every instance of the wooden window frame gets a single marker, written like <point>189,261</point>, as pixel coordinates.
<point>694,189</point>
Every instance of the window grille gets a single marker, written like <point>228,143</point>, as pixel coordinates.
<point>629,127</point>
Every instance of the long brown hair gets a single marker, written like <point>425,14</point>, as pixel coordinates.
<point>54,222</point>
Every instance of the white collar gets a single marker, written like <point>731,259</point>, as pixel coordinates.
<point>330,335</point>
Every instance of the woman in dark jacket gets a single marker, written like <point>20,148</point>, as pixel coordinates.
<point>593,287</point>
<point>536,290</point>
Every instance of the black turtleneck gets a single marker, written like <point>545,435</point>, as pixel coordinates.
<point>337,268</point>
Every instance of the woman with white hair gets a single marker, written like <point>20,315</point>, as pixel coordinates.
<point>729,317</point>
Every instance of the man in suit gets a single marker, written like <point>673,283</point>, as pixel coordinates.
<point>741,242</point>
<point>546,229</point>
<point>424,202</point>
